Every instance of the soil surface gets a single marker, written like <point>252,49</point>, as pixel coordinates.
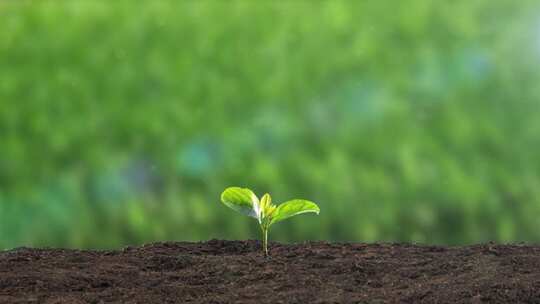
<point>237,272</point>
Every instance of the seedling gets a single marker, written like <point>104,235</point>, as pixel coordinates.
<point>244,201</point>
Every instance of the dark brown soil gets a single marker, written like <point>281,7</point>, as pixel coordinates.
<point>236,272</point>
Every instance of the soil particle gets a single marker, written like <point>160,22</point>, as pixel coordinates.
<point>220,271</point>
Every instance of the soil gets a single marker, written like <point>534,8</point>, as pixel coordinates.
<point>237,272</point>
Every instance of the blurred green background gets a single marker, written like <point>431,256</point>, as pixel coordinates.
<point>122,121</point>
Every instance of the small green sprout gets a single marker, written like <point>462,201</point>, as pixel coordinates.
<point>244,201</point>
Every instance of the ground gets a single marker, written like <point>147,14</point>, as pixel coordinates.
<point>237,272</point>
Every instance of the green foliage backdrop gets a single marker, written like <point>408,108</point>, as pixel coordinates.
<point>122,121</point>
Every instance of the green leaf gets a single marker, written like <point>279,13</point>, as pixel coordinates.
<point>266,201</point>
<point>292,208</point>
<point>242,200</point>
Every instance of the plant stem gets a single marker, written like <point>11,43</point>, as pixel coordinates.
<point>265,240</point>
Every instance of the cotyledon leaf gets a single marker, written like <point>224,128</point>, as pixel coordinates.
<point>292,208</point>
<point>242,200</point>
